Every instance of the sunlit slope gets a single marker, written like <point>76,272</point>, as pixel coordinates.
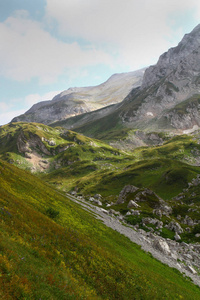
<point>166,169</point>
<point>40,148</point>
<point>52,249</point>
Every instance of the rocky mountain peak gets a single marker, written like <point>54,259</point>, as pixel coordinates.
<point>186,52</point>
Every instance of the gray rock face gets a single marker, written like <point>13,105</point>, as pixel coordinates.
<point>169,95</point>
<point>26,145</point>
<point>174,79</point>
<point>183,58</point>
<point>76,101</point>
<point>124,192</point>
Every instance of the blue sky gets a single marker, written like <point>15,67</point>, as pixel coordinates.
<point>48,46</point>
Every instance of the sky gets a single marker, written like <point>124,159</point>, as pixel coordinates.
<point>48,46</point>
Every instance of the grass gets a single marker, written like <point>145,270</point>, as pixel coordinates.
<point>69,256</point>
<point>164,176</point>
<point>90,166</point>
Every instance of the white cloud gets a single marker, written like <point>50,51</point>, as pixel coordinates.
<point>28,51</point>
<point>137,30</point>
<point>35,98</point>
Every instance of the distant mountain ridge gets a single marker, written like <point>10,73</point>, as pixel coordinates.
<point>76,101</point>
<point>165,98</point>
<point>168,99</point>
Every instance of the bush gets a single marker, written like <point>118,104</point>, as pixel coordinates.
<point>196,229</point>
<point>52,213</point>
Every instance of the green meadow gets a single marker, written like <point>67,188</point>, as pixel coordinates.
<point>52,249</point>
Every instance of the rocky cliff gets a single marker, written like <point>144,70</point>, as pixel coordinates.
<point>173,80</point>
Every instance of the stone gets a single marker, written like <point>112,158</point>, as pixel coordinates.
<point>157,212</point>
<point>104,211</point>
<point>97,202</point>
<point>166,210</point>
<point>174,256</point>
<point>132,204</point>
<point>120,218</point>
<point>174,226</point>
<point>124,192</point>
<point>191,269</point>
<point>135,212</point>
<point>161,245</point>
<point>91,199</point>
<point>177,237</point>
<point>51,143</point>
<point>178,217</point>
<point>73,193</point>
<point>97,196</point>
<point>128,213</point>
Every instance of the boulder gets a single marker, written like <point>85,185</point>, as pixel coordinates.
<point>128,213</point>
<point>132,204</point>
<point>157,212</point>
<point>51,143</point>
<point>124,192</point>
<point>91,199</point>
<point>98,196</point>
<point>177,237</point>
<point>174,226</point>
<point>188,221</point>
<point>135,212</point>
<point>166,210</point>
<point>161,245</point>
<point>191,269</point>
<point>97,202</point>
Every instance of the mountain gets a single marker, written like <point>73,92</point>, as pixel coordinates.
<point>75,101</point>
<point>50,248</point>
<point>167,100</point>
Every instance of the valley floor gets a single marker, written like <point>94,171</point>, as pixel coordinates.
<point>139,237</point>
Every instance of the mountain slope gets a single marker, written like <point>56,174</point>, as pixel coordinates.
<point>51,249</point>
<point>75,101</point>
<point>173,82</point>
<point>40,148</point>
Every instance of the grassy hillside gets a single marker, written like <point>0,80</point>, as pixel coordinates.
<point>52,249</point>
<point>70,160</point>
<point>165,177</point>
<point>38,147</point>
<point>166,169</point>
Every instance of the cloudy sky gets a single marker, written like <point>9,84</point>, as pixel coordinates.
<point>48,46</point>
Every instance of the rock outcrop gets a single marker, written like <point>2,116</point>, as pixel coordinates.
<point>173,80</point>
<point>128,189</point>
